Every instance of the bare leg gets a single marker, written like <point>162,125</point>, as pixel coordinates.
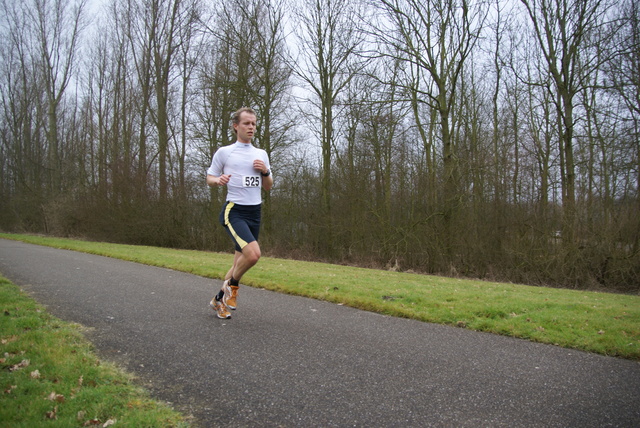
<point>243,261</point>
<point>229,274</point>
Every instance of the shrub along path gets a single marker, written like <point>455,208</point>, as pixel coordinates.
<point>291,361</point>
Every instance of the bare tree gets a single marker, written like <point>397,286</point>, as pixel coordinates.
<point>40,45</point>
<point>22,90</point>
<point>165,17</point>
<point>623,76</point>
<point>133,30</point>
<point>435,38</point>
<point>567,31</point>
<point>58,27</point>
<point>328,42</point>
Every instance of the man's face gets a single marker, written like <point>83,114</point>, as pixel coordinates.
<point>246,127</point>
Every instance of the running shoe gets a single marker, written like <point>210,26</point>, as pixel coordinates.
<point>221,309</point>
<point>230,295</point>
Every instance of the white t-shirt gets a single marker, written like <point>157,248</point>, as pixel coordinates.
<point>244,187</point>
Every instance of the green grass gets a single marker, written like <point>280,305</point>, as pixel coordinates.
<point>603,323</point>
<point>50,376</point>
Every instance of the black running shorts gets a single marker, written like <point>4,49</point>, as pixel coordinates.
<point>242,222</point>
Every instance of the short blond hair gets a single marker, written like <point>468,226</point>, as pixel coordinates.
<point>235,117</point>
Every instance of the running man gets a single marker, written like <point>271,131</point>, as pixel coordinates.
<point>244,169</point>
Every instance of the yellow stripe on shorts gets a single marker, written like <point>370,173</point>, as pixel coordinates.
<point>241,242</point>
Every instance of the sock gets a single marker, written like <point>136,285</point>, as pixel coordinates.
<point>234,282</point>
<point>220,294</point>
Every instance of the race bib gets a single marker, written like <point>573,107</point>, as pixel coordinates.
<point>250,181</point>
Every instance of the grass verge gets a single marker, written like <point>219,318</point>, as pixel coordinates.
<point>50,376</point>
<point>604,323</point>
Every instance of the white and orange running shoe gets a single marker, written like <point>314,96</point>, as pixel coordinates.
<point>221,309</point>
<point>230,295</point>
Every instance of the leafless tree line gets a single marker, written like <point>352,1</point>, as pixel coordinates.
<point>493,139</point>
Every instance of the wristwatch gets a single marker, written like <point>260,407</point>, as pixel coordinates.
<point>268,173</point>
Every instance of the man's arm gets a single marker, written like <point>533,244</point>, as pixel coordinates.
<point>214,181</point>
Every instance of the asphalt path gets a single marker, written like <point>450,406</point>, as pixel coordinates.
<point>286,361</point>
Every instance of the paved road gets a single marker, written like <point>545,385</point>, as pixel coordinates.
<point>288,361</point>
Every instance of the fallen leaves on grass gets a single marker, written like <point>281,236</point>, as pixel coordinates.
<point>55,397</point>
<point>92,422</point>
<point>9,339</point>
<point>20,365</point>
<point>52,414</point>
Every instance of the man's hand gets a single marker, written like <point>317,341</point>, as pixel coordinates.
<point>260,166</point>
<point>224,179</point>
<point>214,181</point>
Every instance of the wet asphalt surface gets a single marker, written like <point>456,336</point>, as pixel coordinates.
<point>285,361</point>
